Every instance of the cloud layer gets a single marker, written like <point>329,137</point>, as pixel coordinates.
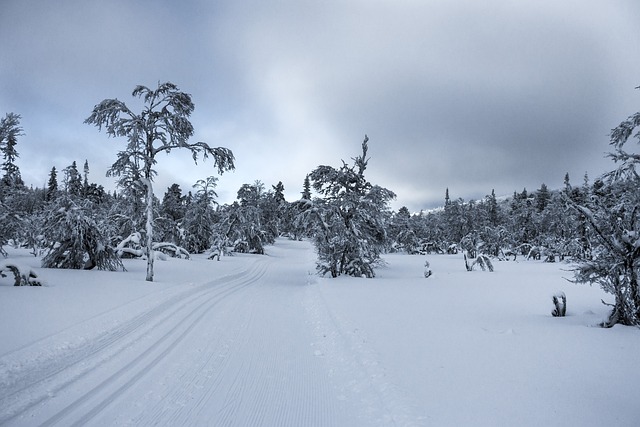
<point>500,95</point>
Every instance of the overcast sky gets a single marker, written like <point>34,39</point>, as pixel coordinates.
<point>468,95</point>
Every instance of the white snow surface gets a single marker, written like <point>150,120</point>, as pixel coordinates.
<point>257,340</point>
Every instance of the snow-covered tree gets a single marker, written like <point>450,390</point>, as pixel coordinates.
<point>200,216</point>
<point>73,180</point>
<point>74,237</point>
<point>350,219</point>
<point>10,129</point>
<point>52,185</point>
<point>613,213</point>
<point>161,126</point>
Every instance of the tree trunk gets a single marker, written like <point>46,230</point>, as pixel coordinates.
<point>149,229</point>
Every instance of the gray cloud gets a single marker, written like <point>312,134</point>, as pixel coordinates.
<point>459,94</point>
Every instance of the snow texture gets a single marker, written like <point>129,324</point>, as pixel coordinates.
<point>262,341</point>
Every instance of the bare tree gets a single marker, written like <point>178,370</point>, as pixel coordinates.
<point>161,126</point>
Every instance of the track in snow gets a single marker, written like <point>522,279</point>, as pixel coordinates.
<point>253,348</point>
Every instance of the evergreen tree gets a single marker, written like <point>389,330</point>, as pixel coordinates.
<point>542,198</point>
<point>613,212</point>
<point>85,181</point>
<point>52,186</point>
<point>306,192</point>
<point>350,220</point>
<point>10,129</point>
<point>73,181</point>
<point>200,216</point>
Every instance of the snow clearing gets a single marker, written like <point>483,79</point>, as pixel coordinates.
<point>261,340</point>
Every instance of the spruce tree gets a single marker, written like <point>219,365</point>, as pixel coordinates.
<point>10,129</point>
<point>52,185</point>
<point>350,220</point>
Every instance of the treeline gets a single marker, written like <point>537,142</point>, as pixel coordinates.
<point>539,225</point>
<point>74,223</point>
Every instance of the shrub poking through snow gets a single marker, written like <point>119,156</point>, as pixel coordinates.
<point>23,276</point>
<point>171,250</point>
<point>427,269</point>
<point>481,260</point>
<point>560,303</point>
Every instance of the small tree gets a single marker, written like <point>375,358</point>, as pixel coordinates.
<point>10,129</point>
<point>161,126</point>
<point>74,238</point>
<point>351,220</point>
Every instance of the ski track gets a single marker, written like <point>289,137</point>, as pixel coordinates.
<point>32,386</point>
<point>259,347</point>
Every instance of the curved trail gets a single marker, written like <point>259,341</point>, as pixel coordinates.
<point>254,347</point>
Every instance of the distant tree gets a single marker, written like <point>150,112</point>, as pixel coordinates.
<point>52,186</point>
<point>306,192</point>
<point>613,213</point>
<point>10,130</point>
<point>401,232</point>
<point>162,125</point>
<point>85,181</point>
<point>278,194</point>
<point>542,198</point>
<point>350,220</point>
<point>200,216</point>
<point>72,180</point>
<point>493,209</point>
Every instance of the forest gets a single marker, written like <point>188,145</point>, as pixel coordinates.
<point>76,224</point>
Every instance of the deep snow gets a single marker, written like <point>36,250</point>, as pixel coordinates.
<point>260,340</point>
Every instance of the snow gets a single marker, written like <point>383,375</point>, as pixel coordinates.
<point>261,340</point>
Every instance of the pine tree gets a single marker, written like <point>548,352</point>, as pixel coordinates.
<point>350,220</point>
<point>542,197</point>
<point>52,186</point>
<point>10,130</point>
<point>163,125</point>
<point>306,186</point>
<point>85,181</point>
<point>73,181</point>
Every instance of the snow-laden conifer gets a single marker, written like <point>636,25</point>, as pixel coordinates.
<point>74,238</point>
<point>612,212</point>
<point>350,219</point>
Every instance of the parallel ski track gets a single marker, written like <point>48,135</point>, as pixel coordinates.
<point>32,388</point>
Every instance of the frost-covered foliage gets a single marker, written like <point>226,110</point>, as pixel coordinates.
<point>613,214</point>
<point>10,129</point>
<point>161,126</point>
<point>22,275</point>
<point>200,217</point>
<point>350,221</point>
<point>482,261</point>
<point>241,227</point>
<point>559,304</point>
<point>74,238</point>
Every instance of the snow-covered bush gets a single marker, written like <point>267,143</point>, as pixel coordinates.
<point>482,261</point>
<point>23,276</point>
<point>131,246</point>
<point>74,239</point>
<point>172,250</point>
<point>560,305</point>
<point>427,269</point>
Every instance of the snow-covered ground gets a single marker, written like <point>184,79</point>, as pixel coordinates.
<point>261,341</point>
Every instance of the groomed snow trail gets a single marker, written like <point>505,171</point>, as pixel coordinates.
<point>255,347</point>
